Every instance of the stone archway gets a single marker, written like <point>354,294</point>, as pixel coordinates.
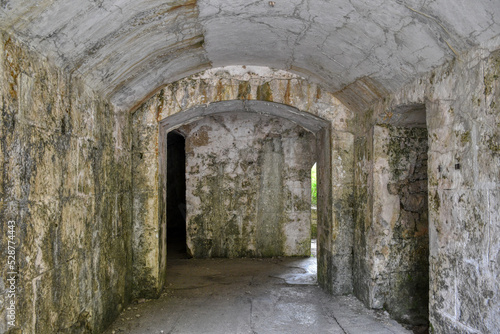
<point>318,127</point>
<point>280,151</point>
<point>277,95</point>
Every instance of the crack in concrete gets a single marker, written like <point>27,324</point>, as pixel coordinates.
<point>291,60</point>
<point>252,325</point>
<point>474,34</point>
<point>440,24</point>
<point>331,315</point>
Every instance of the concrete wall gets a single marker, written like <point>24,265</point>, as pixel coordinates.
<point>462,102</point>
<point>64,157</point>
<point>248,181</point>
<point>363,212</point>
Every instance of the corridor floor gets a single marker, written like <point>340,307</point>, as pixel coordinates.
<point>256,296</point>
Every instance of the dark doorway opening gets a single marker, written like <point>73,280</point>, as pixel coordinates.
<point>176,194</point>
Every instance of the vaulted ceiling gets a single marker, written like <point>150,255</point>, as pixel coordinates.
<point>361,49</point>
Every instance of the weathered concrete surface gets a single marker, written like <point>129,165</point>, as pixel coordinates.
<point>254,90</point>
<point>249,296</point>
<point>339,273</point>
<point>127,50</point>
<point>248,181</point>
<point>363,212</point>
<point>63,151</point>
<point>463,122</point>
<point>360,49</point>
<point>250,83</point>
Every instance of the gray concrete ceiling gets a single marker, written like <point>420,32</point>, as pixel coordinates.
<point>361,49</point>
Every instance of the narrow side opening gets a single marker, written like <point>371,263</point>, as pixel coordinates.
<point>176,194</point>
<point>314,211</point>
<point>410,243</point>
<point>403,192</point>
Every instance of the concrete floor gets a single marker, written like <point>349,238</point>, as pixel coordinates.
<point>253,296</point>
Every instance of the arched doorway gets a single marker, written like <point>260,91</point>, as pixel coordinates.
<point>334,147</point>
<point>319,128</point>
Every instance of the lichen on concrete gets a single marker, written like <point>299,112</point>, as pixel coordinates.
<point>62,152</point>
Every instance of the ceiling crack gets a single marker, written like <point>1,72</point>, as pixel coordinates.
<point>439,23</point>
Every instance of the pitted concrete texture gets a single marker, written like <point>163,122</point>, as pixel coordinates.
<point>249,296</point>
<point>361,49</point>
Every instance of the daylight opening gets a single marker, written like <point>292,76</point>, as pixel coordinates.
<point>314,211</point>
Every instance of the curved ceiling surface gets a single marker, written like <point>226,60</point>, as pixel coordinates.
<point>126,49</point>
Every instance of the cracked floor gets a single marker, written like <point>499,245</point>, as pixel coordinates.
<point>261,296</point>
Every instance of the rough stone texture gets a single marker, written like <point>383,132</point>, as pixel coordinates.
<point>252,90</point>
<point>254,83</point>
<point>62,153</point>
<point>463,122</point>
<point>146,245</point>
<point>248,180</point>
<point>340,233</point>
<point>359,49</point>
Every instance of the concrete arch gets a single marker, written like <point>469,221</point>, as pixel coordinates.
<point>306,120</point>
<point>179,103</point>
<point>317,126</point>
<point>250,83</point>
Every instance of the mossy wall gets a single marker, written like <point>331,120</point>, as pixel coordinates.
<point>248,186</point>
<point>65,182</point>
<point>399,232</point>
